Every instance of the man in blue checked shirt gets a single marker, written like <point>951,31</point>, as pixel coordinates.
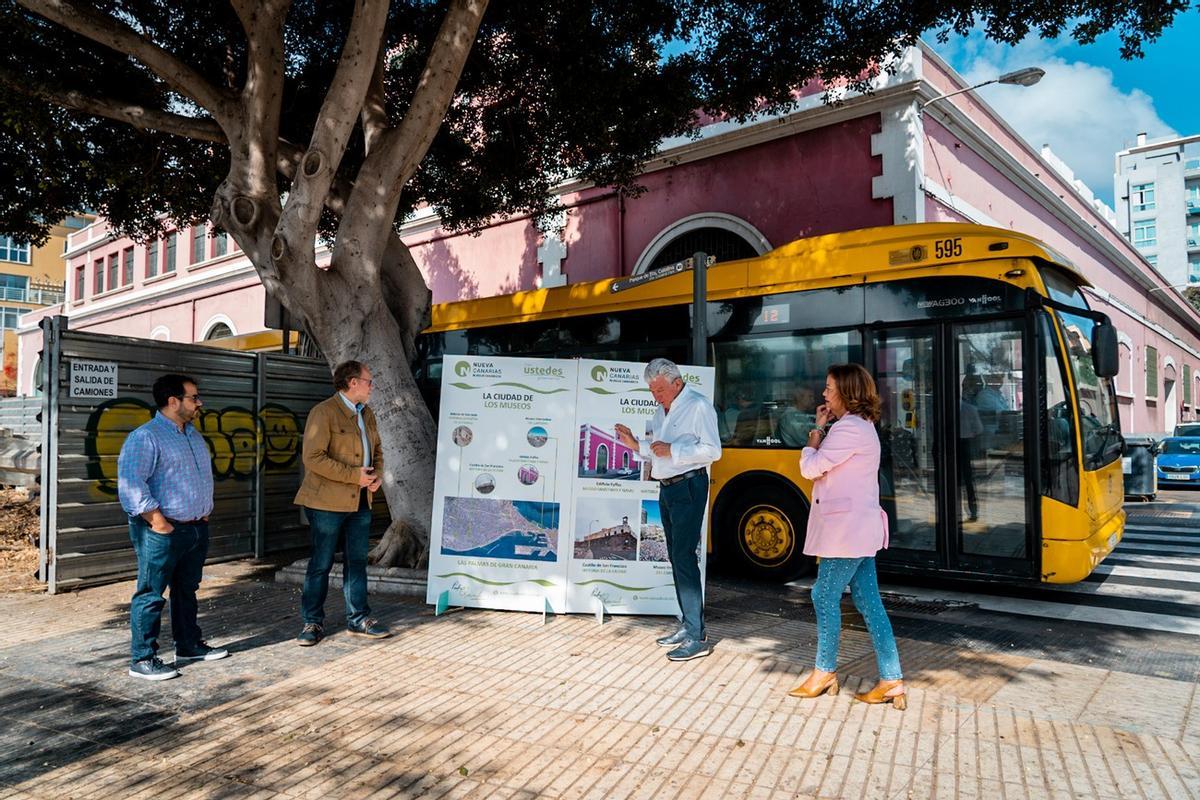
<point>165,484</point>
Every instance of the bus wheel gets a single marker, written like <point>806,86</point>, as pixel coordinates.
<point>764,531</point>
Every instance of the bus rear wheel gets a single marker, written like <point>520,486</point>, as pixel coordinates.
<point>763,530</point>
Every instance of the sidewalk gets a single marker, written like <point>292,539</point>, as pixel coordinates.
<point>486,704</point>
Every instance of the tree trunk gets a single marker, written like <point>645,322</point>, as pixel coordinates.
<point>354,322</point>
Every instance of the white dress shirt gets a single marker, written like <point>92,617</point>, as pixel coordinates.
<point>691,430</point>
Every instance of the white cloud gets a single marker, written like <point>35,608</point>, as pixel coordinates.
<point>1076,108</point>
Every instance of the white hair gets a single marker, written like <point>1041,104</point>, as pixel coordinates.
<point>663,368</point>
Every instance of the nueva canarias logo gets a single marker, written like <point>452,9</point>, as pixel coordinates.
<point>599,373</point>
<point>462,369</point>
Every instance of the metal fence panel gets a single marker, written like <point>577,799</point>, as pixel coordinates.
<point>18,415</point>
<point>255,405</point>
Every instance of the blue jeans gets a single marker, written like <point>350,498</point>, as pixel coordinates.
<point>833,574</point>
<point>165,561</point>
<point>682,507</point>
<point>326,528</point>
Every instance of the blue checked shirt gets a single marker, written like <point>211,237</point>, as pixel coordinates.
<point>165,468</point>
<point>357,408</point>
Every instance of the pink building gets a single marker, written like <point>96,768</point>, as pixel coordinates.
<point>601,455</point>
<point>738,189</point>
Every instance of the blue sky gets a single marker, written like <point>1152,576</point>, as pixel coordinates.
<point>1091,103</point>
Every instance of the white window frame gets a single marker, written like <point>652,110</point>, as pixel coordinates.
<point>11,250</point>
<point>1138,196</point>
<point>1143,227</point>
<point>214,321</point>
<point>1125,361</point>
<point>712,219</point>
<point>4,312</point>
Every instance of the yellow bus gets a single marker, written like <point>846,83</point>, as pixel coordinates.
<point>1001,440</point>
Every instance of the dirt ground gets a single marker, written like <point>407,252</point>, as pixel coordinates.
<point>18,541</point>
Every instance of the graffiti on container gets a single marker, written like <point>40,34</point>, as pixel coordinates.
<point>239,441</point>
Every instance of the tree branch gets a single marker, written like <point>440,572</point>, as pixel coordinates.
<point>82,19</point>
<point>201,129</point>
<point>335,122</point>
<point>400,150</point>
<point>262,93</point>
<point>374,114</point>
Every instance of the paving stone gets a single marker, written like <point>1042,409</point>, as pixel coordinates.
<point>480,704</point>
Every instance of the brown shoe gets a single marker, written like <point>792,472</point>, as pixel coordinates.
<point>885,692</point>
<point>815,687</point>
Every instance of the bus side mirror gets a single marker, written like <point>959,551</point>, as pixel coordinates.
<point>1105,358</point>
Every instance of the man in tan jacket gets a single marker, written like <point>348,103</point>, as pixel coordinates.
<point>343,465</point>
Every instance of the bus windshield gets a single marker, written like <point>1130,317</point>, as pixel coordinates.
<point>1099,424</point>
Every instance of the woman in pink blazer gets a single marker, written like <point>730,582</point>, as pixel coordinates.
<point>846,527</point>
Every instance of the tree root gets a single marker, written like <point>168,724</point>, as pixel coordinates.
<point>400,547</point>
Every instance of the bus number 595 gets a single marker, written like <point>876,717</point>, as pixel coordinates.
<point>947,248</point>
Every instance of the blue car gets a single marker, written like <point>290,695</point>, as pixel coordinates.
<point>1179,460</point>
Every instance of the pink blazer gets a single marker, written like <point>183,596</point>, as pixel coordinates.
<point>846,520</point>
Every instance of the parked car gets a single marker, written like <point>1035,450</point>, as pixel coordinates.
<point>1179,460</point>
<point>1187,429</point>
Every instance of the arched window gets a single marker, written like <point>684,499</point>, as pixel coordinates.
<point>722,236</point>
<point>724,245</point>
<point>218,326</point>
<point>218,331</point>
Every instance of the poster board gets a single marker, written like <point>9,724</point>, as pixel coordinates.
<point>537,505</point>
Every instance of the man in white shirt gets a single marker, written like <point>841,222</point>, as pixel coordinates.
<point>683,441</point>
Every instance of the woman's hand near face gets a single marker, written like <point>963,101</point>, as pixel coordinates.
<point>823,416</point>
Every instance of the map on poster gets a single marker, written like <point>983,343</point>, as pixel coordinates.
<point>536,501</point>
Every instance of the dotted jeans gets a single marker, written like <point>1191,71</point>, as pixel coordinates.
<point>833,575</point>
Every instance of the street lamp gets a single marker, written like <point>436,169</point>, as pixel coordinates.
<point>1026,76</point>
<point>1174,286</point>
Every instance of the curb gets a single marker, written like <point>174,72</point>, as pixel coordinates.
<point>383,580</point>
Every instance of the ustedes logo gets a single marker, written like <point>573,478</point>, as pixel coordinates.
<point>599,373</point>
<point>543,371</point>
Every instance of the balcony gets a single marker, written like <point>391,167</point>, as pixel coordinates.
<point>44,294</point>
<point>40,294</point>
<point>1193,205</point>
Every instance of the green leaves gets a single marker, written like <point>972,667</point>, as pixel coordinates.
<point>553,89</point>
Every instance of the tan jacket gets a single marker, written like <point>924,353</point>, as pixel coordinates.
<point>333,456</point>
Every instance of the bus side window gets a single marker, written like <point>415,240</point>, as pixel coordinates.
<point>769,387</point>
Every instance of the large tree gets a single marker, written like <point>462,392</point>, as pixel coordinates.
<point>285,123</point>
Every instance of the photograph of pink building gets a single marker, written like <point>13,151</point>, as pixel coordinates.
<point>601,455</point>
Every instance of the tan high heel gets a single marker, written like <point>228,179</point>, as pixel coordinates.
<point>828,685</point>
<point>885,692</point>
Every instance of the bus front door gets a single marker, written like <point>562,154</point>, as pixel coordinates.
<point>953,469</point>
<point>987,511</point>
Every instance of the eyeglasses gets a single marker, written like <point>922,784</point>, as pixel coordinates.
<point>195,398</point>
<point>367,381</point>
